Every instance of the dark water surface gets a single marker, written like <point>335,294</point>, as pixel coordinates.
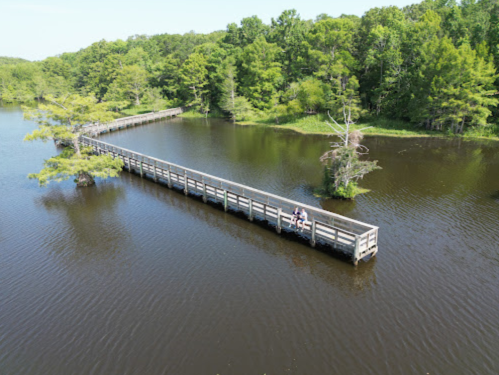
<point>132,278</point>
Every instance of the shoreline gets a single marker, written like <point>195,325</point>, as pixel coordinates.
<point>316,126</point>
<point>395,134</point>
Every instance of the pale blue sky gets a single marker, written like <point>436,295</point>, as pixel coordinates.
<point>35,29</point>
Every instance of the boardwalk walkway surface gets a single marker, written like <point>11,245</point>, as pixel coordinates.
<point>95,129</point>
<point>356,239</point>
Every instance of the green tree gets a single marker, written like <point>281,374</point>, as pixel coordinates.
<point>62,119</point>
<point>166,76</point>
<point>238,106</point>
<point>311,95</point>
<point>260,73</point>
<point>455,87</point>
<point>330,45</point>
<point>288,32</point>
<point>133,81</point>
<point>154,98</point>
<point>194,77</point>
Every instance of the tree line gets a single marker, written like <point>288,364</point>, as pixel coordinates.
<point>432,64</point>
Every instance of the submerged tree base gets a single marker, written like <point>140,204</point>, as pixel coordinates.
<point>84,180</point>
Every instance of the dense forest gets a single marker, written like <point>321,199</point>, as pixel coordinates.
<point>431,64</point>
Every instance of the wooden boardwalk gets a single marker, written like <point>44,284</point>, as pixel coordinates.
<point>356,239</point>
<point>95,129</point>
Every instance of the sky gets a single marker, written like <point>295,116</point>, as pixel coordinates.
<point>36,29</point>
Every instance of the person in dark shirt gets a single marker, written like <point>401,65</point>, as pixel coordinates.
<point>295,217</point>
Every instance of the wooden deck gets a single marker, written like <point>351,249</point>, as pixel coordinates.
<point>354,238</point>
<point>95,129</point>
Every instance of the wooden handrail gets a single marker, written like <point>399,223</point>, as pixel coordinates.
<point>289,201</point>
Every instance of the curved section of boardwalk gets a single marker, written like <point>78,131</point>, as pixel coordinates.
<point>354,238</point>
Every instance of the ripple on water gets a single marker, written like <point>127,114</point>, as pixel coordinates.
<point>134,278</point>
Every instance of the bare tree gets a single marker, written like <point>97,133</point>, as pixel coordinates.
<point>342,163</point>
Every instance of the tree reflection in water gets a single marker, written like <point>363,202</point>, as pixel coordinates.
<point>84,222</point>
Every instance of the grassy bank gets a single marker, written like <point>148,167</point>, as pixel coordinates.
<point>141,109</point>
<point>196,114</point>
<point>315,124</point>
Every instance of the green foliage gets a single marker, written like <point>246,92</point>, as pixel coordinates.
<point>261,73</point>
<point>69,164</point>
<point>154,99</point>
<point>431,64</point>
<point>194,77</point>
<point>63,119</point>
<point>71,112</point>
<point>311,95</point>
<point>4,60</point>
<point>237,106</point>
<point>344,192</point>
<point>342,170</point>
<point>132,82</point>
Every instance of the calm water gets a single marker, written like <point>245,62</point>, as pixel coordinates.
<point>132,278</point>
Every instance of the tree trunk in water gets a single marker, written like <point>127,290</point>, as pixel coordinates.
<point>76,145</point>
<point>84,180</point>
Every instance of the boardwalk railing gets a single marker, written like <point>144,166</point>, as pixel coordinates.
<point>121,123</point>
<point>352,237</point>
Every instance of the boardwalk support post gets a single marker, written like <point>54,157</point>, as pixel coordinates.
<point>376,241</point>
<point>186,184</point>
<point>312,239</point>
<point>356,251</point>
<point>250,207</point>
<point>205,196</point>
<point>169,175</point>
<point>226,201</point>
<point>279,221</point>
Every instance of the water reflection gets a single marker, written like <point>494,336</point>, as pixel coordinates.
<point>141,279</point>
<point>86,221</point>
<point>299,256</point>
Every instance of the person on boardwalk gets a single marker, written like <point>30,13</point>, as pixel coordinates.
<point>295,215</point>
<point>302,219</point>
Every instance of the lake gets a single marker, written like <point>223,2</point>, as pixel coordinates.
<point>129,277</point>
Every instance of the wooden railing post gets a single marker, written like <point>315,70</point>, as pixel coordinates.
<point>186,184</point>
<point>155,173</point>
<point>129,165</point>
<point>250,207</point>
<point>279,220</point>
<point>169,176</point>
<point>141,170</point>
<point>312,239</point>
<point>356,251</point>
<point>205,196</point>
<point>226,200</point>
